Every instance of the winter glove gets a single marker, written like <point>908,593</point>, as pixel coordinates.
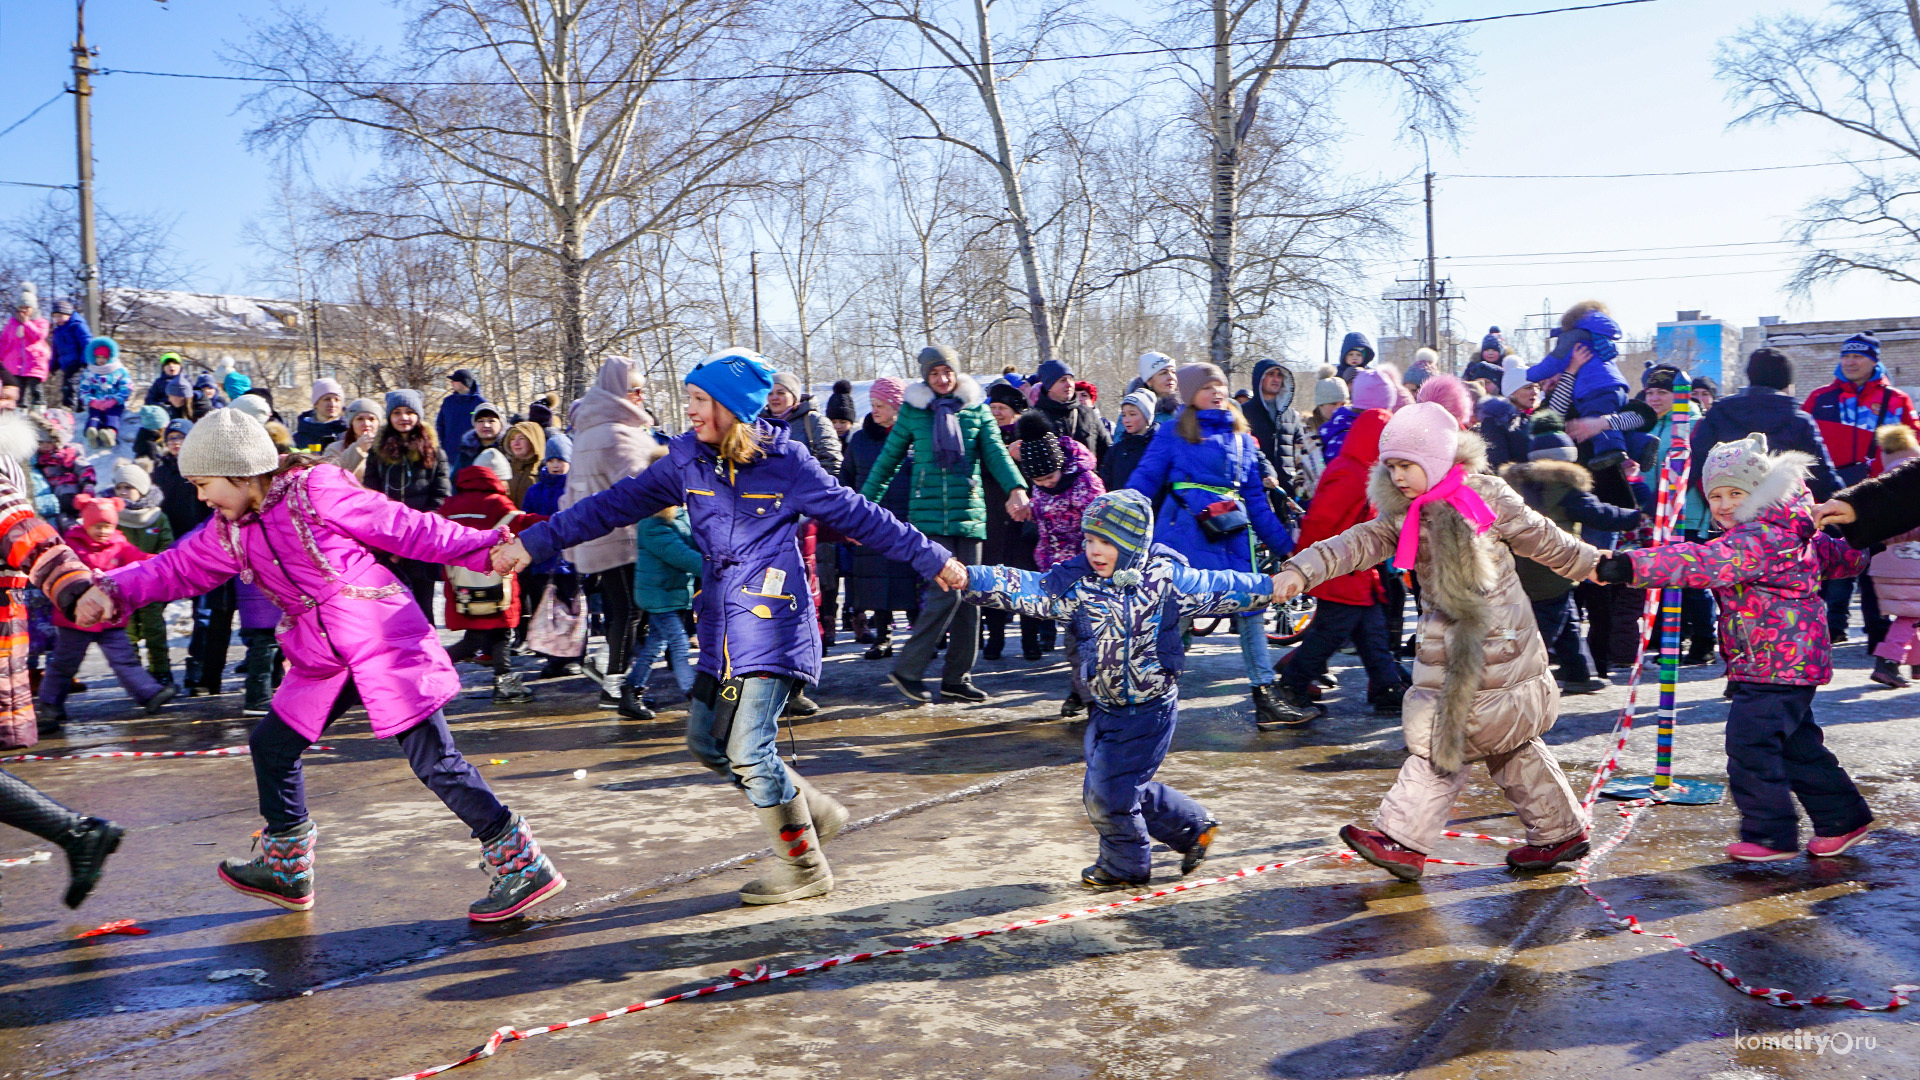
<point>102,404</point>
<point>1614,570</point>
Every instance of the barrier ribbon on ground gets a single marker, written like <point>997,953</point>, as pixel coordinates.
<point>38,856</point>
<point>225,751</point>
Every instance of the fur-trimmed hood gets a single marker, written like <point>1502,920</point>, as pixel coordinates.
<point>920,395</point>
<point>19,439</point>
<point>1569,473</point>
<point>1786,476</point>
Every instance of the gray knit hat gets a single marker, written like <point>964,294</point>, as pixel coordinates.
<point>228,443</point>
<point>253,405</point>
<point>363,405</point>
<point>935,355</point>
<point>1330,392</point>
<point>1740,464</point>
<point>409,399</point>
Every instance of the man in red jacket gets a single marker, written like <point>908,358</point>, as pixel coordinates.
<point>1849,410</point>
<point>1348,607</point>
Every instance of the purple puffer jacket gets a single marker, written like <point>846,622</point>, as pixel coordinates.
<point>1058,516</point>
<point>1766,573</point>
<point>310,548</point>
<point>744,520</point>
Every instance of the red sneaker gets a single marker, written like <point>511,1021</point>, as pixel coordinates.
<point>1547,857</point>
<point>1745,852</point>
<point>1835,845</point>
<point>1382,851</point>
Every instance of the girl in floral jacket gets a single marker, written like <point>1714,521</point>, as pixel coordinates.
<point>1063,488</point>
<point>1765,572</point>
<point>306,533</point>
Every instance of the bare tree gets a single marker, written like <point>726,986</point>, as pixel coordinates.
<point>1267,65</point>
<point>1856,68</point>
<point>136,252</point>
<point>571,105</point>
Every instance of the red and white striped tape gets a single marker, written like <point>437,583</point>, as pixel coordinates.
<point>225,751</point>
<point>38,856</point>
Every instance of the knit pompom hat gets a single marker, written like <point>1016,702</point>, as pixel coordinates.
<point>496,463</point>
<point>1193,378</point>
<point>153,417</point>
<point>236,383</point>
<point>1513,376</point>
<point>1425,434</point>
<point>60,422</point>
<point>1330,391</point>
<point>840,403</point>
<point>1450,393</point>
<point>1377,388</point>
<point>1740,464</point>
<point>934,356</point>
<point>1123,518</point>
<point>1040,453</point>
<point>888,389</point>
<point>228,442</point>
<point>253,406</point>
<point>1153,363</point>
<point>95,510</point>
<point>739,379</point>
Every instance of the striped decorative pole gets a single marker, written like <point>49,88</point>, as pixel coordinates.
<point>1673,490</point>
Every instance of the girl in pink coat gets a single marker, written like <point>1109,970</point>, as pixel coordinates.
<point>25,351</point>
<point>306,535</point>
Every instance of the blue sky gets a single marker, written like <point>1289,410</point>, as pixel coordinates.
<point>1623,90</point>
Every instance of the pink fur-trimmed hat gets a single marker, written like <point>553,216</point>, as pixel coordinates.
<point>1425,434</point>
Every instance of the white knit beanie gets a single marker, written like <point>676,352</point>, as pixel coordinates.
<point>228,443</point>
<point>253,405</point>
<point>1153,363</point>
<point>496,463</point>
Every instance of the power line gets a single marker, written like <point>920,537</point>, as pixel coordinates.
<point>52,187</point>
<point>1631,280</point>
<point>1672,247</point>
<point>34,113</point>
<point>1690,172</point>
<point>793,73</point>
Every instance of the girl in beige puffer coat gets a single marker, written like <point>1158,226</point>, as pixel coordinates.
<point>1481,687</point>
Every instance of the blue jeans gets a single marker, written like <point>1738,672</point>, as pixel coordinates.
<point>1560,631</point>
<point>746,750</point>
<point>1253,646</point>
<point>1124,748</point>
<point>666,633</point>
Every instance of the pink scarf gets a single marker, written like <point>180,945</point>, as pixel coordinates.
<point>1452,490</point>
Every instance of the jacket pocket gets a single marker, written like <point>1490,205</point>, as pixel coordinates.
<point>762,503</point>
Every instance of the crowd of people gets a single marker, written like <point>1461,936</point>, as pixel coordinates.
<point>1512,503</point>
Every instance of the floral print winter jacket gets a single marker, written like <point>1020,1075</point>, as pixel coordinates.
<point>1058,516</point>
<point>1766,574</point>
<point>1130,649</point>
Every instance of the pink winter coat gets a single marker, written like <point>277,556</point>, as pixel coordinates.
<point>1058,517</point>
<point>24,348</point>
<point>1766,573</point>
<point>311,548</point>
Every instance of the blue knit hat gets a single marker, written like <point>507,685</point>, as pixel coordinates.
<point>1051,372</point>
<point>177,387</point>
<point>153,417</point>
<point>1865,343</point>
<point>204,381</point>
<point>182,425</point>
<point>1123,518</point>
<point>236,384</point>
<point>409,399</point>
<point>739,379</point>
<point>559,446</point>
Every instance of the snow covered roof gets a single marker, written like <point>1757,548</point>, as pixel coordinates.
<point>252,319</point>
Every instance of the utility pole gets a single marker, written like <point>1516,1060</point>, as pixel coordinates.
<point>313,320</point>
<point>83,137</point>
<point>1433,285</point>
<point>753,272</point>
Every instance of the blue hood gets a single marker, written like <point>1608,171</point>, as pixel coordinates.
<point>1357,340</point>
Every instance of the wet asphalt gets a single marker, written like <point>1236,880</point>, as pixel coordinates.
<point>973,820</point>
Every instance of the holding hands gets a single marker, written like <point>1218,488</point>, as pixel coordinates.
<point>1017,505</point>
<point>510,558</point>
<point>952,576</point>
<point>95,607</point>
<point>1287,584</point>
<point>1834,512</point>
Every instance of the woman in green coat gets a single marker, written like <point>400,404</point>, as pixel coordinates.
<point>945,423</point>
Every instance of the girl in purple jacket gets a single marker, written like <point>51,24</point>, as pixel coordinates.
<point>306,535</point>
<point>747,486</point>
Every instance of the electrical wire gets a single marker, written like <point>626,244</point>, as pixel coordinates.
<point>34,113</point>
<point>800,72</point>
<point>1643,175</point>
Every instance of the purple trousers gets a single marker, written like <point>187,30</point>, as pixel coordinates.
<point>70,648</point>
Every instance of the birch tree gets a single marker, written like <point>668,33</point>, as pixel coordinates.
<point>571,105</point>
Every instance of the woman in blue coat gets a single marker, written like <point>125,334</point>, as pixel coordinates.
<point>747,486</point>
<point>1207,457</point>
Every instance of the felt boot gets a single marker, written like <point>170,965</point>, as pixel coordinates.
<point>802,869</point>
<point>829,817</point>
<point>283,871</point>
<point>508,689</point>
<point>522,874</point>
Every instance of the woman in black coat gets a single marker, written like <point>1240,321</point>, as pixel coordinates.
<point>408,466</point>
<point>876,584</point>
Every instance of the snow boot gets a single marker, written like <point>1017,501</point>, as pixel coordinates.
<point>509,690</point>
<point>522,874</point>
<point>281,874</point>
<point>1549,856</point>
<point>829,817</point>
<point>1276,707</point>
<point>631,706</point>
<point>1887,673</point>
<point>1097,879</point>
<point>799,704</point>
<point>802,869</point>
<point>109,438</point>
<point>1384,852</point>
<point>1191,859</point>
<point>86,840</point>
